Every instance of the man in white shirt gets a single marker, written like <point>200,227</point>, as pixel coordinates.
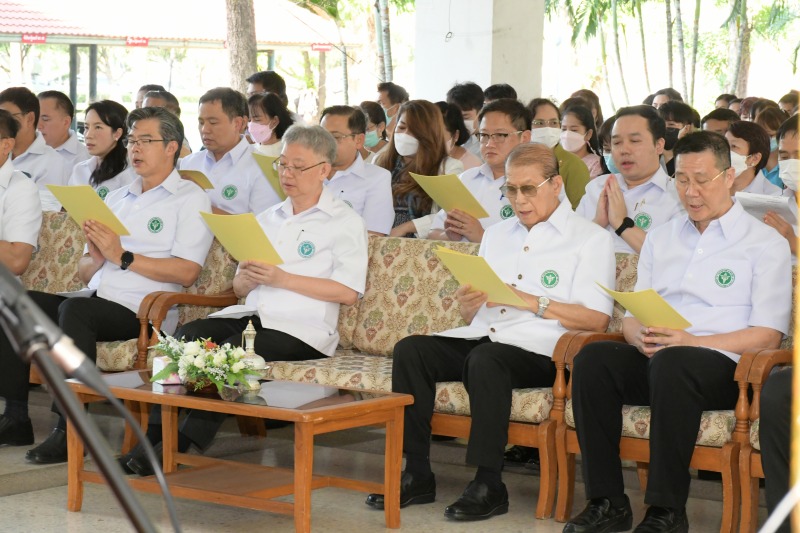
<point>541,253</point>
<point>365,187</point>
<point>269,81</point>
<point>730,276</point>
<point>165,251</point>
<point>55,121</point>
<point>468,97</point>
<point>239,184</point>
<point>641,197</point>
<point>504,124</point>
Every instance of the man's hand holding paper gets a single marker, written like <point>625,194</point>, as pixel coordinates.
<point>460,224</point>
<point>103,243</point>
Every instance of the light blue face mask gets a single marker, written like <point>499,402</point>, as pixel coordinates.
<point>371,139</point>
<point>610,164</point>
<point>773,144</point>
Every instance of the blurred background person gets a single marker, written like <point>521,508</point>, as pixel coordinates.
<point>749,154</point>
<point>390,97</point>
<point>457,135</point>
<point>579,136</point>
<point>56,112</point>
<point>770,118</point>
<point>376,137</point>
<point>143,90</point>
<point>167,100</point>
<point>719,120</point>
<point>269,120</point>
<point>498,91</point>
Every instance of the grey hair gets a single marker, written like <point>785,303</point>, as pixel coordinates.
<point>169,125</point>
<point>315,138</point>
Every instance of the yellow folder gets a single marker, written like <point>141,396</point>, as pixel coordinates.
<point>475,271</point>
<point>82,203</point>
<point>265,163</point>
<point>450,193</point>
<point>198,177</point>
<point>243,237</point>
<point>649,308</point>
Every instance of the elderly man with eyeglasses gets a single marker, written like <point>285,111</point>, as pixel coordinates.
<point>551,258</point>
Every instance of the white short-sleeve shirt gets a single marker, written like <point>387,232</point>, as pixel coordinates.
<point>328,241</point>
<point>164,222</point>
<point>20,211</point>
<point>761,185</point>
<point>239,184</point>
<point>270,150</point>
<point>42,164</point>
<point>650,204</point>
<point>72,152</point>
<point>83,171</point>
<point>562,258</point>
<point>734,275</point>
<point>368,190</point>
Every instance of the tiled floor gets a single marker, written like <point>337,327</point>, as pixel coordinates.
<point>33,498</point>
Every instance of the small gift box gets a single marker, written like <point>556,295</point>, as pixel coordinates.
<point>159,363</point>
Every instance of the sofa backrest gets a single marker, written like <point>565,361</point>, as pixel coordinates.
<point>54,265</point>
<point>216,277</point>
<point>626,281</point>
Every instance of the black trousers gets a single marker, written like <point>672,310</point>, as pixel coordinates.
<point>775,435</point>
<point>678,383</point>
<point>201,426</point>
<point>489,370</point>
<point>85,320</point>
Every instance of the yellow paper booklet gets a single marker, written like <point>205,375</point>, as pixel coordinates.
<point>649,308</point>
<point>265,164</point>
<point>475,271</point>
<point>198,177</point>
<point>82,203</point>
<point>243,237</point>
<point>450,193</point>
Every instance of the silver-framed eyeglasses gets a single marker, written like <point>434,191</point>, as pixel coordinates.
<point>497,138</point>
<point>289,169</point>
<point>682,182</point>
<point>526,190</point>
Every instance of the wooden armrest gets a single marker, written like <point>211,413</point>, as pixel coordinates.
<point>585,337</point>
<point>763,363</point>
<point>159,308</point>
<point>147,302</point>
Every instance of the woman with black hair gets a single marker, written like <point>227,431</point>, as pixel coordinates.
<point>269,119</point>
<point>375,138</point>
<point>579,136</point>
<point>458,135</point>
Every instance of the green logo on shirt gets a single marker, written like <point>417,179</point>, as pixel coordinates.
<point>348,203</point>
<point>155,225</point>
<point>306,249</point>
<point>230,192</point>
<point>643,220</point>
<point>550,278</point>
<point>725,278</point>
<point>506,212</point>
<point>102,192</point>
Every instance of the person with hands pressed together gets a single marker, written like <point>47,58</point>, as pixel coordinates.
<point>551,258</point>
<point>730,276</point>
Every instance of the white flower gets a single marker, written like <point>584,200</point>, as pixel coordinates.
<point>219,358</point>
<point>200,362</point>
<point>237,367</point>
<point>238,353</point>
<point>182,373</point>
<point>191,348</point>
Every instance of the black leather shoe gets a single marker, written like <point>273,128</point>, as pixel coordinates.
<point>413,490</point>
<point>140,464</point>
<point>518,455</point>
<point>478,502</point>
<point>600,516</point>
<point>15,433</point>
<point>663,520</point>
<point>51,451</point>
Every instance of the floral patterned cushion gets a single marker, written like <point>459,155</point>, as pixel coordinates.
<point>116,356</point>
<point>215,277</point>
<point>716,427</point>
<point>755,440</point>
<point>626,281</point>
<point>787,343</point>
<point>54,265</point>
<point>527,405</point>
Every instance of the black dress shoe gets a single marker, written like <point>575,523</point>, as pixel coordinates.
<point>413,490</point>
<point>478,502</point>
<point>663,520</point>
<point>519,455</point>
<point>140,464</point>
<point>15,433</point>
<point>51,451</point>
<point>600,516</point>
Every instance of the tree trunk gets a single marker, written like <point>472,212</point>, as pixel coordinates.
<point>644,50</point>
<point>744,64</point>
<point>742,32</point>
<point>386,39</point>
<point>695,38</point>
<point>615,30</point>
<point>377,38</point>
<point>322,88</point>
<point>681,50</point>
<point>345,80</point>
<point>668,3</point>
<point>241,39</point>
<point>307,72</point>
<point>604,57</point>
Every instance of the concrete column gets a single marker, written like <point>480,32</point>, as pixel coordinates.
<point>485,41</point>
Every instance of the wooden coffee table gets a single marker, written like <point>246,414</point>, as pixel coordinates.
<point>248,485</point>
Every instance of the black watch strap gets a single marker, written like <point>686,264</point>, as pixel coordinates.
<point>627,222</point>
<point>126,260</point>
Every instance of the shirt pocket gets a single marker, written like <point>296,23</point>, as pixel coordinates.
<point>312,255</point>
<point>725,282</point>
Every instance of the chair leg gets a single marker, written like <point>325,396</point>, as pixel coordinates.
<point>642,470</point>
<point>251,427</point>
<point>749,487</point>
<point>566,475</point>
<point>548,469</point>
<point>731,503</point>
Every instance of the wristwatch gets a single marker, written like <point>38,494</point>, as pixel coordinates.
<point>126,260</point>
<point>627,222</point>
<point>544,303</point>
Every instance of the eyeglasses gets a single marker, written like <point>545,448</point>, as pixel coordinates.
<point>683,182</point>
<point>342,136</point>
<point>130,143</point>
<point>288,169</point>
<point>552,123</point>
<point>497,138</point>
<point>526,190</point>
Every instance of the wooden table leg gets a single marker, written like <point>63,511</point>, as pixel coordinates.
<point>393,463</point>
<point>169,436</point>
<point>303,469</point>
<point>74,468</point>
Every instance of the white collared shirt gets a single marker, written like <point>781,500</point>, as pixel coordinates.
<point>327,241</point>
<point>650,204</point>
<point>83,171</point>
<point>734,275</point>
<point>761,185</point>
<point>270,150</point>
<point>486,189</point>
<point>72,152</point>
<point>20,211</point>
<point>42,164</point>
<point>368,190</point>
<point>164,222</point>
<point>239,184</point>
<point>562,258</point>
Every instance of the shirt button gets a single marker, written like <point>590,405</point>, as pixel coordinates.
<point>502,311</point>
<point>526,249</point>
<point>492,330</point>
<point>519,276</point>
<point>513,284</point>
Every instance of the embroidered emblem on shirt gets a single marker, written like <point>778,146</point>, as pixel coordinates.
<point>549,278</point>
<point>102,192</point>
<point>725,277</point>
<point>155,225</point>
<point>230,192</point>
<point>643,221</point>
<point>306,249</point>
<point>506,212</point>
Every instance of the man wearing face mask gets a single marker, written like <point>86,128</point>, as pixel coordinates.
<point>468,97</point>
<point>789,172</point>
<point>390,97</point>
<point>678,118</point>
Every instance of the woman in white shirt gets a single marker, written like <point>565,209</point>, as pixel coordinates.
<point>376,137</point>
<point>458,135</point>
<point>749,154</point>
<point>104,135</point>
<point>269,119</point>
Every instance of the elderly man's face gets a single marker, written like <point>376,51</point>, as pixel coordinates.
<point>703,187</point>
<point>536,197</point>
<point>301,172</point>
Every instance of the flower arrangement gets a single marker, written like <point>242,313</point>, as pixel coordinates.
<point>202,362</point>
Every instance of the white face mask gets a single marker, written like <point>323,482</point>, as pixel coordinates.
<point>546,136</point>
<point>405,144</point>
<point>571,141</point>
<point>739,162</point>
<point>470,124</point>
<point>789,172</point>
